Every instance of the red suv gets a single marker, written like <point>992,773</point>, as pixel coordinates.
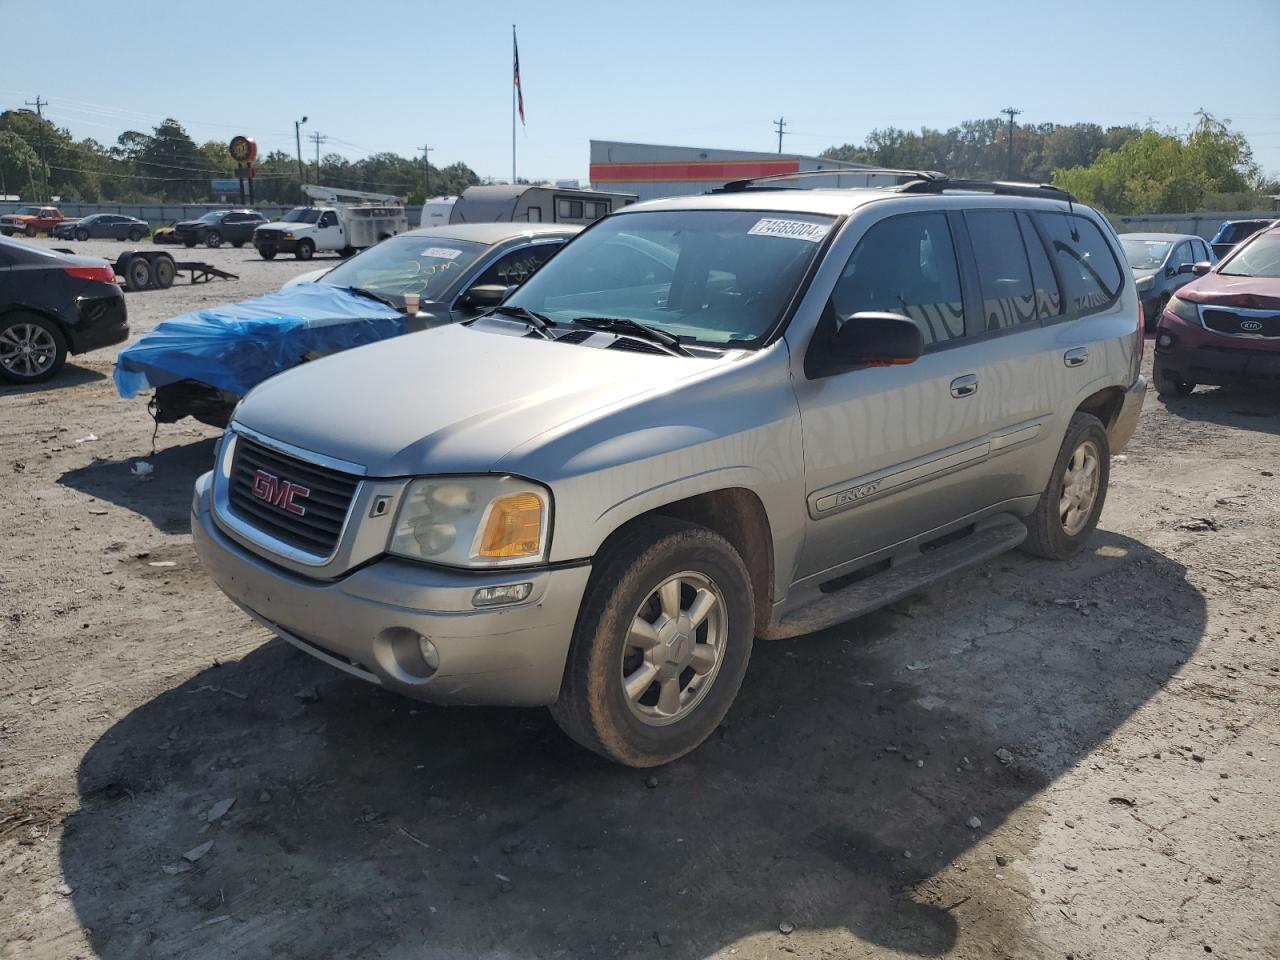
<point>1224,327</point>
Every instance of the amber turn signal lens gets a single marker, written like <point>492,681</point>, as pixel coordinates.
<point>513,528</point>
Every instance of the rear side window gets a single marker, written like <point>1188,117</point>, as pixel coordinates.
<point>1084,263</point>
<point>1048,296</point>
<point>1004,274</point>
<point>905,265</point>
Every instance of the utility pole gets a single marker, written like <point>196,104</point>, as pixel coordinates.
<point>317,138</point>
<point>1012,112</point>
<point>302,177</point>
<point>40,104</point>
<point>426,166</point>
<point>781,124</point>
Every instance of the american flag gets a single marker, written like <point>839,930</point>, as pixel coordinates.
<point>515,53</point>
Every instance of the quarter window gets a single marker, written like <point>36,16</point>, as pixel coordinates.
<point>1085,265</point>
<point>905,265</point>
<point>1004,274</point>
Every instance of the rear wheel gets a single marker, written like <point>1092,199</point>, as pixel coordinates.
<point>1070,506</point>
<point>346,252</point>
<point>661,644</point>
<point>237,244</point>
<point>164,271</point>
<point>135,235</point>
<point>304,250</point>
<point>267,253</point>
<point>31,348</point>
<point>213,239</point>
<point>138,273</point>
<point>1169,383</point>
<point>188,244</point>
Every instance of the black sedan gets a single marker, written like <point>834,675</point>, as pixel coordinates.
<point>52,304</point>
<point>218,227</point>
<point>102,226</point>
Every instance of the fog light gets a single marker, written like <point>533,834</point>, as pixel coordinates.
<point>1164,340</point>
<point>430,655</point>
<point>503,593</point>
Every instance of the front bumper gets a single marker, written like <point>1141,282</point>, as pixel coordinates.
<point>1126,422</point>
<point>281,245</point>
<point>1197,355</point>
<point>367,622</point>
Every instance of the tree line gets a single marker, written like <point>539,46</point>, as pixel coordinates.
<point>1121,169</point>
<point>40,160</point>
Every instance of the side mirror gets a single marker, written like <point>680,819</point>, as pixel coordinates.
<point>873,339</point>
<point>486,295</point>
<point>1201,268</point>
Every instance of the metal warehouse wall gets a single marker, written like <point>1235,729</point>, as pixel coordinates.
<point>159,214</point>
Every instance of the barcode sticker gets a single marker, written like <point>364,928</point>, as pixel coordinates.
<point>794,229</point>
<point>442,253</point>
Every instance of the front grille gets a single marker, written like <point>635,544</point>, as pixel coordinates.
<point>261,234</point>
<point>325,504</point>
<point>1223,320</point>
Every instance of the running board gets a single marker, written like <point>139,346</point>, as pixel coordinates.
<point>906,576</point>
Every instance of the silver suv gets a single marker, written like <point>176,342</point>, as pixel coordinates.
<point>709,419</point>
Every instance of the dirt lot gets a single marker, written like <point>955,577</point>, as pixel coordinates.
<point>1112,723</point>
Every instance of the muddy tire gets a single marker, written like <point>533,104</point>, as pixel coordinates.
<point>1069,508</point>
<point>32,348</point>
<point>1169,383</point>
<point>661,644</point>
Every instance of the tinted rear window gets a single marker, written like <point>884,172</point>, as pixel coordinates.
<point>1085,265</point>
<point>1004,274</point>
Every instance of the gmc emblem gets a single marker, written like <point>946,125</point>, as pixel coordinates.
<point>280,493</point>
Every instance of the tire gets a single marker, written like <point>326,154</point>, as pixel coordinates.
<point>21,335</point>
<point>82,235</point>
<point>648,728</point>
<point>267,253</point>
<point>164,270</point>
<point>1150,323</point>
<point>1065,519</point>
<point>1169,383</point>
<point>135,235</point>
<point>188,244</point>
<point>30,231</point>
<point>138,273</point>
<point>346,252</point>
<point>237,244</point>
<point>304,249</point>
<point>213,239</point>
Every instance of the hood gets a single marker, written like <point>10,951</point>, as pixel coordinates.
<point>189,224</point>
<point>288,225</point>
<point>19,216</point>
<point>1259,293</point>
<point>450,400</point>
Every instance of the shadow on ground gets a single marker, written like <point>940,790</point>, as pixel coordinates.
<point>366,825</point>
<point>69,376</point>
<point>1253,406</point>
<point>163,497</point>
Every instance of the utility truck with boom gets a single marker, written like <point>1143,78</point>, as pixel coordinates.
<point>342,221</point>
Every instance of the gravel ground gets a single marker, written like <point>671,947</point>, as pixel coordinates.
<point>1030,760</point>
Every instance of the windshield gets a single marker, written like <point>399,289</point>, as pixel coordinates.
<point>407,264</point>
<point>301,215</point>
<point>1260,258</point>
<point>713,276</point>
<point>213,217</point>
<point>29,211</point>
<point>1145,254</point>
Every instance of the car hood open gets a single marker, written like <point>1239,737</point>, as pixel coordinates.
<point>451,400</point>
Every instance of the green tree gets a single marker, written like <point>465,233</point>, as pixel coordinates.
<point>21,169</point>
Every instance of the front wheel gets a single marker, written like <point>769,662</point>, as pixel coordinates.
<point>1070,506</point>
<point>31,348</point>
<point>30,231</point>
<point>661,645</point>
<point>304,250</point>
<point>237,244</point>
<point>188,244</point>
<point>82,235</point>
<point>267,253</point>
<point>213,239</point>
<point>1169,383</point>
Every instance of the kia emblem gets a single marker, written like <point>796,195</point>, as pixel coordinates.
<point>284,494</point>
<point>1251,325</point>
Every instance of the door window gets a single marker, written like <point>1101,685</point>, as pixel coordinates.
<point>1004,273</point>
<point>1182,255</point>
<point>905,265</point>
<point>329,219</point>
<point>1201,252</point>
<point>1048,297</point>
<point>517,266</point>
<point>1082,258</point>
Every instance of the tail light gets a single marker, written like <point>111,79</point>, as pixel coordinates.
<point>103,273</point>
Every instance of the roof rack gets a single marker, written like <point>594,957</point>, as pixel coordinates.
<point>916,181</point>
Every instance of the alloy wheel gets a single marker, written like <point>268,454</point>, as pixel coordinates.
<point>27,350</point>
<point>1080,483</point>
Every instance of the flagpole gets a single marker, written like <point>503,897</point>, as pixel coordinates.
<point>513,108</point>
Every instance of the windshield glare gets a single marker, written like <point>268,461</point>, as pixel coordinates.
<point>407,264</point>
<point>1260,258</point>
<point>713,276</point>
<point>301,215</point>
<point>213,217</point>
<point>1145,254</point>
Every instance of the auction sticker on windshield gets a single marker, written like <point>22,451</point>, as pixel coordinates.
<point>442,253</point>
<point>794,229</point>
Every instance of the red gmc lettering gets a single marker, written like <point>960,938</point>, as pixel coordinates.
<point>279,493</point>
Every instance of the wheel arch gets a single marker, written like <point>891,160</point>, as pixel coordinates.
<point>1105,404</point>
<point>67,335</point>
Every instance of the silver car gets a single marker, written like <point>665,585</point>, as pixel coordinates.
<point>711,419</point>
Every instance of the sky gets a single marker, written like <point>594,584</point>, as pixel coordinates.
<point>394,75</point>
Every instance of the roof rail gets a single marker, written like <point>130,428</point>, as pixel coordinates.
<point>1004,188</point>
<point>737,186</point>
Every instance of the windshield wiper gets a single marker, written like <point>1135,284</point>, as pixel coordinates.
<point>536,320</point>
<point>362,292</point>
<point>636,329</point>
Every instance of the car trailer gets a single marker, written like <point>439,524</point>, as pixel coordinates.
<point>156,269</point>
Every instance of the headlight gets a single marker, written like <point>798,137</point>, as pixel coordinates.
<point>483,521</point>
<point>1145,284</point>
<point>288,236</point>
<point>1183,310</point>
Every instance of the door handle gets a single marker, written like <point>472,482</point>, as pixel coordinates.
<point>1077,357</point>
<point>965,386</point>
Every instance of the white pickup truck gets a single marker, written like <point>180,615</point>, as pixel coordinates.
<point>342,221</point>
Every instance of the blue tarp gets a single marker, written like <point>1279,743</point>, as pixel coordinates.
<point>236,346</point>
